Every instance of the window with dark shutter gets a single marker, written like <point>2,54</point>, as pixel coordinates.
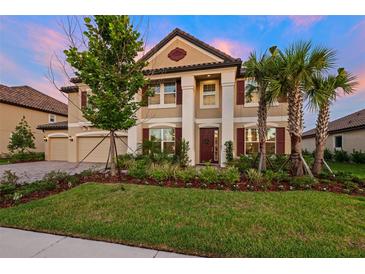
<point>280,140</point>
<point>178,137</point>
<point>240,140</point>
<point>178,92</point>
<point>240,95</point>
<point>83,99</point>
<point>145,137</point>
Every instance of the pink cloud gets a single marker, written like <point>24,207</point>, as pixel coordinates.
<point>305,21</point>
<point>234,48</point>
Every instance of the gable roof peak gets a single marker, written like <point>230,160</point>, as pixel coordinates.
<point>192,39</point>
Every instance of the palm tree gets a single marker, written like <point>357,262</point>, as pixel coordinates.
<point>323,90</point>
<point>260,69</point>
<point>295,67</point>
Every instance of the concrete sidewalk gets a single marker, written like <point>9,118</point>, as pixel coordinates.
<point>15,243</point>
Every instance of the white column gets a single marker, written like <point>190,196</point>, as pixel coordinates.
<point>188,114</point>
<point>133,133</point>
<point>228,81</point>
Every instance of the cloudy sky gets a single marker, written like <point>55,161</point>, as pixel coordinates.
<point>28,43</point>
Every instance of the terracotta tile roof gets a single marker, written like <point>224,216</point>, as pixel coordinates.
<point>57,125</point>
<point>25,96</point>
<point>350,122</point>
<point>193,67</point>
<point>193,40</point>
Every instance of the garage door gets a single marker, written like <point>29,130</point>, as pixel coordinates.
<point>58,148</point>
<point>100,154</point>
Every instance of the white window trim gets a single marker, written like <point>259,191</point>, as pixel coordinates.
<point>334,142</point>
<point>254,104</point>
<point>258,142</point>
<point>163,141</point>
<point>207,82</point>
<point>49,118</point>
<point>162,98</point>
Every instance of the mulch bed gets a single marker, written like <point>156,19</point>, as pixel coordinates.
<point>243,185</point>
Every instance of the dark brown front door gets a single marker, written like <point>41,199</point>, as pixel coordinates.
<point>209,145</point>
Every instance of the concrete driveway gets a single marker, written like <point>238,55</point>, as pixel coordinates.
<point>15,243</point>
<point>32,171</point>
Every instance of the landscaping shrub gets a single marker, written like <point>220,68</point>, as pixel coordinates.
<point>87,172</point>
<point>358,157</point>
<point>277,161</point>
<point>209,175</point>
<point>279,176</point>
<point>139,169</point>
<point>125,161</point>
<point>26,157</point>
<point>56,176</point>
<point>302,182</point>
<point>341,156</point>
<point>243,163</point>
<point>253,176</point>
<point>6,188</point>
<point>36,187</point>
<point>229,151</point>
<point>159,172</point>
<point>230,175</point>
<point>351,186</point>
<point>328,155</point>
<point>184,148</point>
<point>9,177</point>
<point>186,175</point>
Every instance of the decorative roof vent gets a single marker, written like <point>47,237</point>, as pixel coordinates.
<point>177,54</point>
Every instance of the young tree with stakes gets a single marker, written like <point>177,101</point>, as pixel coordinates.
<point>294,68</point>
<point>108,66</point>
<point>260,68</point>
<point>322,91</point>
<point>22,138</point>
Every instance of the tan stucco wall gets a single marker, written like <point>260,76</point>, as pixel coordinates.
<point>10,117</point>
<point>350,140</point>
<point>193,56</point>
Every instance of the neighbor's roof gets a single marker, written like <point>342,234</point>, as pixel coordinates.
<point>350,122</point>
<point>28,97</point>
<point>57,125</point>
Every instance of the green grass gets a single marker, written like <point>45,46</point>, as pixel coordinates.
<point>203,222</point>
<point>355,169</point>
<point>4,161</point>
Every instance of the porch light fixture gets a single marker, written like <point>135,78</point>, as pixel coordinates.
<point>71,138</point>
<point>45,139</point>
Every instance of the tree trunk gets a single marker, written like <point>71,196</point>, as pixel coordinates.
<point>262,128</point>
<point>321,137</point>
<point>295,112</point>
<point>112,154</point>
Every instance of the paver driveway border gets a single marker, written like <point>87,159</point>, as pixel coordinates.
<point>32,171</point>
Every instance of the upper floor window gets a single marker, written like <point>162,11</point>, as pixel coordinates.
<point>51,118</point>
<point>254,98</point>
<point>164,94</point>
<point>252,140</point>
<point>209,97</point>
<point>164,138</point>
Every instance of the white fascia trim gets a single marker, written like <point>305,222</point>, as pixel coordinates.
<point>283,118</point>
<point>101,133</point>
<point>161,106</point>
<point>80,124</point>
<point>55,135</point>
<point>162,120</point>
<point>187,42</point>
<point>208,125</point>
<point>159,125</point>
<point>209,121</point>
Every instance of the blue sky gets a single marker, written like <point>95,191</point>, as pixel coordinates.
<point>28,43</point>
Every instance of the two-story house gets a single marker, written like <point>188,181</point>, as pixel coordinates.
<point>199,96</point>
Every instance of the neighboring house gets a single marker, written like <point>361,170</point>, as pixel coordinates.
<point>346,133</point>
<point>199,96</point>
<point>38,108</point>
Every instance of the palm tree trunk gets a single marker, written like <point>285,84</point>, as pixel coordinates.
<point>321,137</point>
<point>295,112</point>
<point>262,128</point>
<point>112,154</point>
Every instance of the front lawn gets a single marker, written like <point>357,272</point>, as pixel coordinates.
<point>355,169</point>
<point>203,222</point>
<point>4,161</point>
